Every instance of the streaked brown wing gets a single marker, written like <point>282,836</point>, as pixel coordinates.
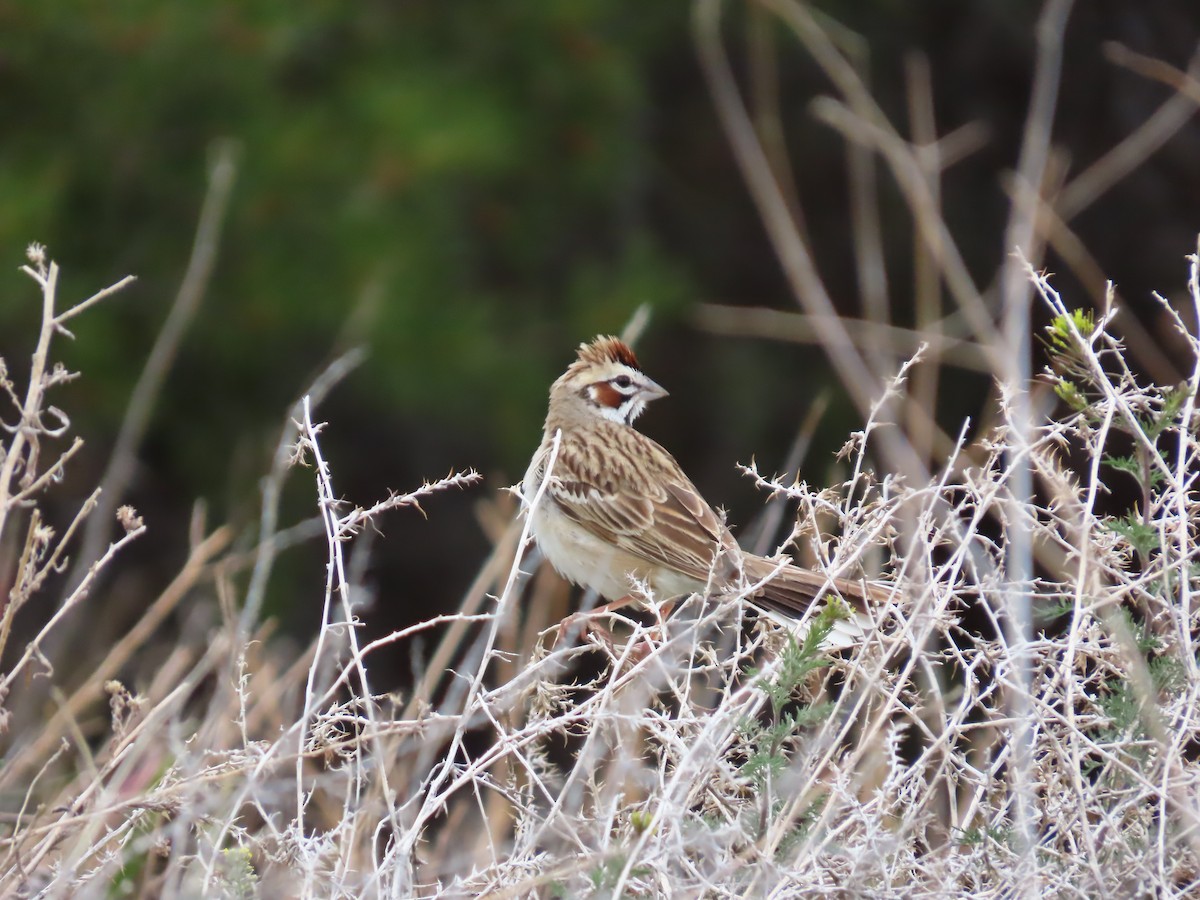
<point>648,508</point>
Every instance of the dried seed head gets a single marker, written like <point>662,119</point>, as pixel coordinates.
<point>129,519</point>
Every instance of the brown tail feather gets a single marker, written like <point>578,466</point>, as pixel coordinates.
<point>793,590</point>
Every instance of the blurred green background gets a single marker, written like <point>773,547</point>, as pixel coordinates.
<point>469,189</point>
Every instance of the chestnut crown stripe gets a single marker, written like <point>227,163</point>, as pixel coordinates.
<point>608,349</point>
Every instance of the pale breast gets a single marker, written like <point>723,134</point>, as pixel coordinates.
<point>585,559</point>
<point>581,557</point>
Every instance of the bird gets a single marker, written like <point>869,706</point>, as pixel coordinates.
<point>617,510</point>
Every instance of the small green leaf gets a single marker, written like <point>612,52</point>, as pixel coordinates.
<point>640,819</point>
<point>1062,329</point>
<point>762,767</point>
<point>1070,395</point>
<point>1133,466</point>
<point>1142,537</point>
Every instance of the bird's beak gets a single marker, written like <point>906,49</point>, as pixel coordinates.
<point>652,390</point>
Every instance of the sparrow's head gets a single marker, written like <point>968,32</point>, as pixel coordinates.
<point>606,380</point>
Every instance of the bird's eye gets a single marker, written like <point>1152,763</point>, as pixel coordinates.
<point>622,381</point>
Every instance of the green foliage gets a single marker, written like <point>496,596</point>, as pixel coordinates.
<point>1078,377</point>
<point>604,876</point>
<point>798,658</point>
<point>1168,672</point>
<point>799,832</point>
<point>973,837</point>
<point>1141,536</point>
<point>1070,394</point>
<point>1066,342</point>
<point>1122,702</point>
<point>768,760</point>
<point>1129,707</point>
<point>768,743</point>
<point>457,185</point>
<point>1145,640</point>
<point>1065,331</point>
<point>1046,609</point>
<point>1172,400</point>
<point>236,877</point>
<point>640,819</point>
<point>1121,707</point>
<point>1135,467</point>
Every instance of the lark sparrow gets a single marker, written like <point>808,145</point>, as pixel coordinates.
<point>618,509</point>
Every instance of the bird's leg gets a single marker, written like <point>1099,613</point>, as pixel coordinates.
<point>656,635</point>
<point>570,620</point>
<point>662,612</point>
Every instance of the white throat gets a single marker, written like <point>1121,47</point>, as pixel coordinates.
<point>623,414</point>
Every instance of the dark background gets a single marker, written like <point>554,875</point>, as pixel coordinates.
<point>470,189</point>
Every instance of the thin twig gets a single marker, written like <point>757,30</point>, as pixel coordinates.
<point>123,460</point>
